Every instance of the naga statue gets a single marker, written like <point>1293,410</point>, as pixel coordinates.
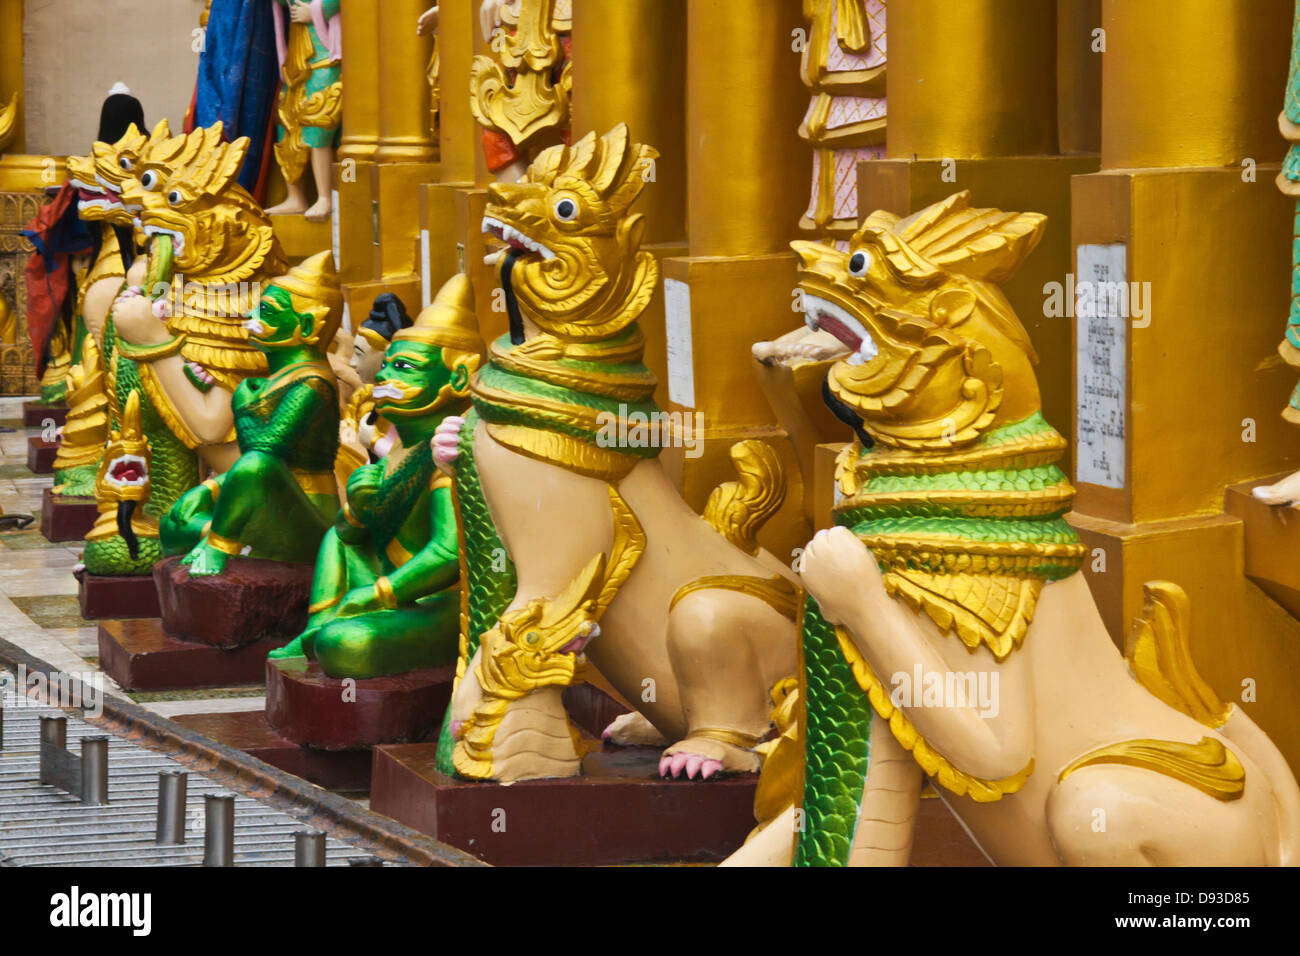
<point>385,598</point>
<point>179,338</point>
<point>576,543</point>
<point>98,179</point>
<point>277,500</point>
<point>948,633</point>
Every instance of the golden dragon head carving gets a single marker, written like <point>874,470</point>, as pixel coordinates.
<point>100,177</point>
<point>575,262</point>
<point>937,355</point>
<point>187,189</point>
<point>221,245</point>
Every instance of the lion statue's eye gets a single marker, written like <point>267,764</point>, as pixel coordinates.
<point>566,210</point>
<point>532,637</point>
<point>859,263</point>
<point>149,180</point>
<point>126,164</point>
<point>174,197</point>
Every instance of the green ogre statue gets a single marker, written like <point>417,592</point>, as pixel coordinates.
<point>385,599</point>
<point>278,499</point>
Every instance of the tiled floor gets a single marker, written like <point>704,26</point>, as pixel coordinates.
<point>38,594</point>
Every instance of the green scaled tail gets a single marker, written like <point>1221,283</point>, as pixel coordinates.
<point>489,574</point>
<point>837,747</point>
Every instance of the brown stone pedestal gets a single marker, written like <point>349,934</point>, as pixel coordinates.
<point>40,456</point>
<point>140,655</point>
<point>116,596</point>
<point>35,415</point>
<point>309,708</point>
<point>250,602</point>
<point>66,517</point>
<point>619,811</point>
<point>248,731</point>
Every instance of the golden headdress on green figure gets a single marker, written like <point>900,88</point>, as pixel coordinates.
<point>313,285</point>
<point>449,323</point>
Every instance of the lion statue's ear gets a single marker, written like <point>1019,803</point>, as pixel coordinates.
<point>952,307</point>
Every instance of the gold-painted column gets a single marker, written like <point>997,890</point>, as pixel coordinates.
<point>405,157</point>
<point>11,66</point>
<point>404,135</point>
<point>1078,75</point>
<point>972,79</point>
<point>629,66</point>
<point>1164,104</point>
<point>744,99</point>
<point>746,176</point>
<point>353,173</point>
<point>360,22</point>
<point>457,133</point>
<point>1186,200</point>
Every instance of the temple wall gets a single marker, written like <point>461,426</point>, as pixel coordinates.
<point>75,50</point>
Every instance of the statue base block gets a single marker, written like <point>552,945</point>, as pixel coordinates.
<point>250,602</point>
<point>40,456</point>
<point>1272,540</point>
<point>140,655</point>
<point>36,414</point>
<point>66,517</point>
<point>248,731</point>
<point>116,596</point>
<point>618,811</point>
<point>309,708</point>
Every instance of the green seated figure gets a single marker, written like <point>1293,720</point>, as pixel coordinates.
<point>277,500</point>
<point>385,598</point>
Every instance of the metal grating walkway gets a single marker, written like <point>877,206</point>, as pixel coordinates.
<point>43,826</point>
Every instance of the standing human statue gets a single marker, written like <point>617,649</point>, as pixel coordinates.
<point>310,107</point>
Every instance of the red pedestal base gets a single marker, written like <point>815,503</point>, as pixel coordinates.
<point>250,601</point>
<point>40,456</point>
<point>66,517</point>
<point>139,655</point>
<point>619,811</point>
<point>36,415</point>
<point>248,731</point>
<point>116,596</point>
<point>309,708</point>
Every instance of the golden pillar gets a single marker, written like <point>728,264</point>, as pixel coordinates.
<point>972,79</point>
<point>404,135</point>
<point>406,154</point>
<point>11,67</point>
<point>361,110</point>
<point>442,242</point>
<point>629,66</point>
<point>629,61</point>
<point>354,170</point>
<point>973,104</point>
<point>746,176</point>
<point>1164,110</point>
<point>1177,387</point>
<point>1079,48</point>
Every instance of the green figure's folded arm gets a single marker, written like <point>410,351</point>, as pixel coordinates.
<point>436,566</point>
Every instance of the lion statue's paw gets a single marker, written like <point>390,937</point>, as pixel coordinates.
<point>633,730</point>
<point>704,756</point>
<point>837,569</point>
